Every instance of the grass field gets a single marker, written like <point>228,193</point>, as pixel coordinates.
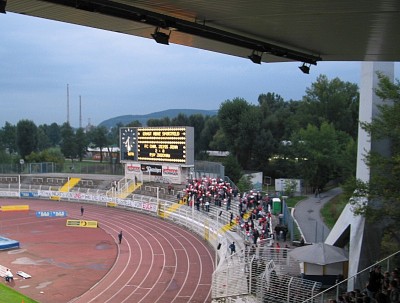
<point>9,295</point>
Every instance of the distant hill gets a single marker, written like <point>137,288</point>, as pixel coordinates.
<point>171,113</point>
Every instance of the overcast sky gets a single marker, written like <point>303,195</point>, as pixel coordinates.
<point>115,74</point>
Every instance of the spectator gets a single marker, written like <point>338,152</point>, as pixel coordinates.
<point>375,281</point>
<point>256,235</point>
<point>207,204</point>
<point>232,248</point>
<point>394,295</point>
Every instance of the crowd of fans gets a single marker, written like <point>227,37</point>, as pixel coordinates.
<point>206,193</point>
<point>381,288</point>
<point>254,220</point>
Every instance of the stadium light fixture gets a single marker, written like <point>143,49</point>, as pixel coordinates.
<point>161,37</point>
<point>255,58</point>
<point>3,4</point>
<point>305,68</point>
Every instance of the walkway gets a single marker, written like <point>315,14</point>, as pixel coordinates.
<point>308,216</point>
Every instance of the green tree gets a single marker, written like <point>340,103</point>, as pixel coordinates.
<point>232,168</point>
<point>197,121</point>
<point>244,184</point>
<point>113,135</point>
<point>383,190</point>
<point>8,138</point>
<point>159,122</point>
<point>219,141</point>
<point>26,134</point>
<point>332,101</point>
<point>317,152</point>
<point>7,158</point>
<point>53,132</point>
<point>134,123</point>
<point>68,142</point>
<point>52,154</point>
<point>81,143</point>
<point>208,140</point>
<point>180,120</point>
<point>43,140</point>
<point>98,137</point>
<point>275,114</point>
<point>240,123</point>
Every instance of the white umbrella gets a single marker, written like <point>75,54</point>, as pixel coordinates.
<point>319,253</point>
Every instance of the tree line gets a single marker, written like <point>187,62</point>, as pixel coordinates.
<point>313,139</point>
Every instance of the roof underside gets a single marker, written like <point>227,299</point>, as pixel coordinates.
<point>275,30</point>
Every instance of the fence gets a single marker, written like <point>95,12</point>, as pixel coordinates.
<point>360,279</point>
<point>201,168</point>
<point>258,274</point>
<point>75,167</point>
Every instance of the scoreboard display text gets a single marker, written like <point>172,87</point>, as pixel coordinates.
<point>159,144</point>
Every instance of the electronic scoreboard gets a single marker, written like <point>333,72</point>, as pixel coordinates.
<point>158,144</point>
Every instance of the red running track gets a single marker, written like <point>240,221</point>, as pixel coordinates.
<point>157,261</point>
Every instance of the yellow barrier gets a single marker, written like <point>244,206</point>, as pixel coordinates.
<point>111,204</point>
<point>82,223</point>
<point>14,207</point>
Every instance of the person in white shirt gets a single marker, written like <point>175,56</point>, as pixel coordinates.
<point>9,275</point>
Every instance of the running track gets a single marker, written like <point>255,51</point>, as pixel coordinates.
<point>157,261</point>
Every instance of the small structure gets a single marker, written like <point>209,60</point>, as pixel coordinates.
<point>6,243</point>
<point>322,262</point>
<point>276,206</point>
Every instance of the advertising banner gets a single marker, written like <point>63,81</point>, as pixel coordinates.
<point>151,169</point>
<point>47,214</point>
<point>82,223</point>
<point>172,173</point>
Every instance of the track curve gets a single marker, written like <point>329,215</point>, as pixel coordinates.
<point>157,261</point>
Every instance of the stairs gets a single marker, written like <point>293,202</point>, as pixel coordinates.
<point>66,187</point>
<point>128,190</point>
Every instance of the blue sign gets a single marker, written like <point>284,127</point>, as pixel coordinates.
<point>44,214</point>
<point>28,194</point>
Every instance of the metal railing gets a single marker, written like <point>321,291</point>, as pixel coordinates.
<point>261,274</point>
<point>344,286</point>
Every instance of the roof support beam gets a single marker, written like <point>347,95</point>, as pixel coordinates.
<point>128,12</point>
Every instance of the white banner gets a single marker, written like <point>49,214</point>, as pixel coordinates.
<point>9,194</point>
<point>151,207</point>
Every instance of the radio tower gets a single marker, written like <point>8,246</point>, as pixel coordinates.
<point>80,112</point>
<point>68,103</point>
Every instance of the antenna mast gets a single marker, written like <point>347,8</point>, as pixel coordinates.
<point>68,103</point>
<point>80,112</point>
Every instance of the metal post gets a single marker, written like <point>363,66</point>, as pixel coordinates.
<point>217,242</point>
<point>68,188</point>
<point>316,229</point>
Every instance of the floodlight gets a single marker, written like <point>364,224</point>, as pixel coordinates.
<point>305,68</point>
<point>255,58</point>
<point>160,37</point>
<point>3,4</point>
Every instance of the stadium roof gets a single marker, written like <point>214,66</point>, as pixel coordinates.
<point>267,30</point>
